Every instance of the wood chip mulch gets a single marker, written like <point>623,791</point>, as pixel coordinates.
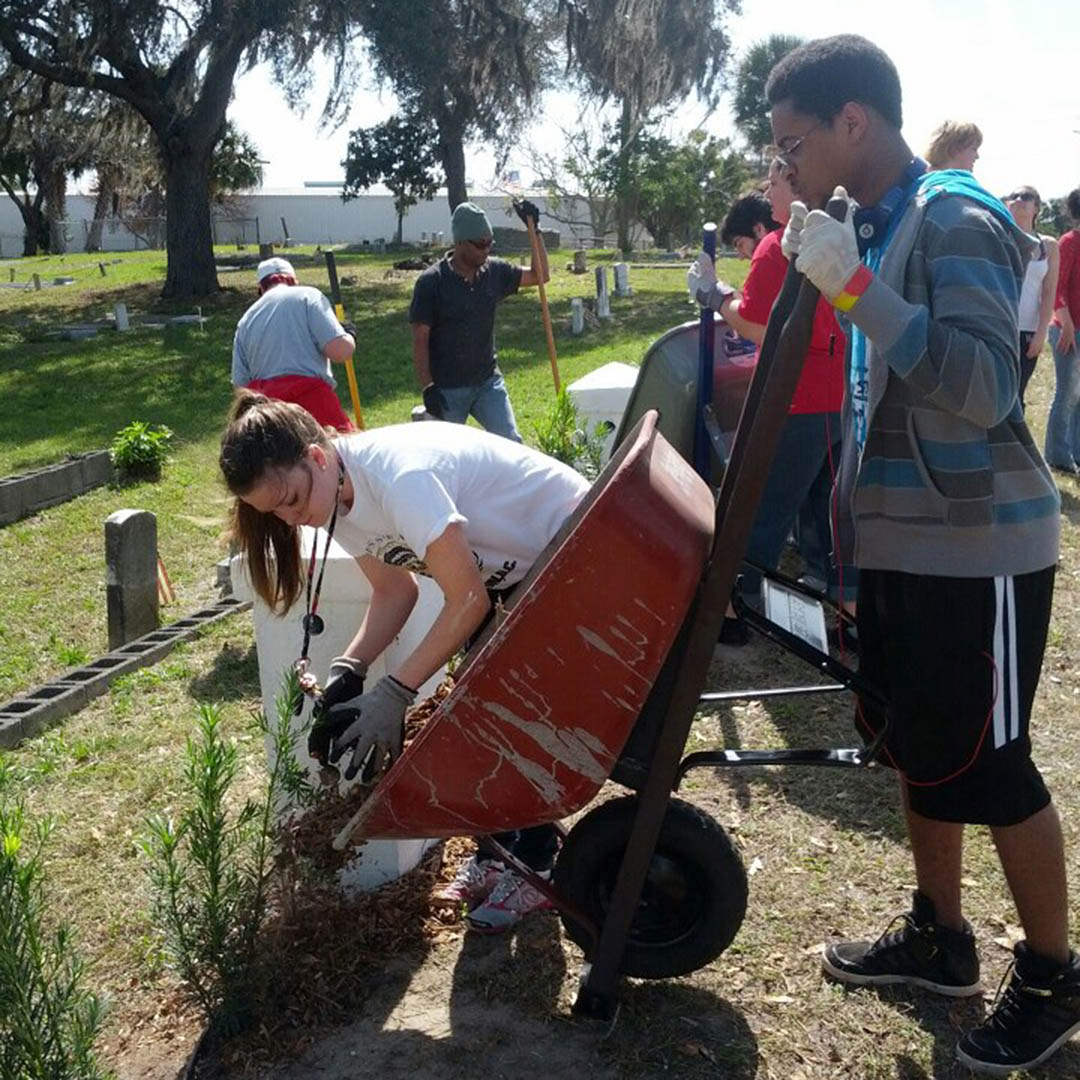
<point>323,951</point>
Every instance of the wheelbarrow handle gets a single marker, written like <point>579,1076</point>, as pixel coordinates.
<point>706,353</point>
<point>779,366</point>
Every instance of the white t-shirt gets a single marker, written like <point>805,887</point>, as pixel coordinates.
<point>1031,292</point>
<point>411,481</point>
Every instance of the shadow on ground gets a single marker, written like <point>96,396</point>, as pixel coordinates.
<point>503,1011</point>
<point>233,675</point>
<point>854,799</point>
<point>945,1021</point>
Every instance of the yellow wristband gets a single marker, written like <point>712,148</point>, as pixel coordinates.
<point>851,293</point>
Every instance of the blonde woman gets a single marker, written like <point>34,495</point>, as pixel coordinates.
<point>954,145</point>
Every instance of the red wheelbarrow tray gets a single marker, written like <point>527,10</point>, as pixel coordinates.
<point>543,708</point>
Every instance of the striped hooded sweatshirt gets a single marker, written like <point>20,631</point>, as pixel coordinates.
<point>943,477</point>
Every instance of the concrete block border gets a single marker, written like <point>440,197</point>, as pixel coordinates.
<point>26,493</point>
<point>33,712</point>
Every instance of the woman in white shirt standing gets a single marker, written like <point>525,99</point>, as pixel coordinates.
<point>471,510</point>
<point>1040,282</point>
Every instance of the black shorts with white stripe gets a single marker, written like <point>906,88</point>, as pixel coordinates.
<point>959,661</point>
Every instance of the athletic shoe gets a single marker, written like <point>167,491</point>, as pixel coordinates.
<point>473,883</point>
<point>920,953</point>
<point>509,902</point>
<point>734,631</point>
<point>1035,1014</point>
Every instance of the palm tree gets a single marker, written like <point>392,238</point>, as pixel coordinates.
<point>750,108</point>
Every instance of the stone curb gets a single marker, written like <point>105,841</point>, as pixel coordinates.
<point>27,493</point>
<point>33,712</point>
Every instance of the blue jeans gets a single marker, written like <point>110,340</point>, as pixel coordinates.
<point>488,402</point>
<point>801,473</point>
<point>1063,423</point>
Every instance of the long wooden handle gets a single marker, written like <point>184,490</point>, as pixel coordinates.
<point>339,311</point>
<point>354,391</point>
<point>544,312</point>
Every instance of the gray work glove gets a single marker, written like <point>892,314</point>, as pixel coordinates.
<point>701,279</point>
<point>703,285</point>
<point>336,708</point>
<point>378,727</point>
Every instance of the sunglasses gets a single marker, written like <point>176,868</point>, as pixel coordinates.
<point>1020,196</point>
<point>482,245</point>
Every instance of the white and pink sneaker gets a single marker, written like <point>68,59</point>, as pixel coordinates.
<point>473,883</point>
<point>508,903</point>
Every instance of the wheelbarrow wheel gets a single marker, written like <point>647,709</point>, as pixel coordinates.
<point>693,900</point>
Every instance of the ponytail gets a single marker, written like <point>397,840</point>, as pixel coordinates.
<point>264,434</point>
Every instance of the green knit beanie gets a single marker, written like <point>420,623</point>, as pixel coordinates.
<point>469,223</point>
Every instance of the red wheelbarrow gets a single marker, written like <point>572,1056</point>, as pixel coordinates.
<point>596,673</point>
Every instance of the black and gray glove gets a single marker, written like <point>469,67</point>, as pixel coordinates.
<point>378,728</point>
<point>336,708</point>
<point>527,211</point>
<point>434,402</point>
<point>350,328</point>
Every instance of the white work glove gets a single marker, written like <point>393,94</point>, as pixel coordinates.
<point>701,280</point>
<point>379,727</point>
<point>789,242</point>
<point>828,253</point>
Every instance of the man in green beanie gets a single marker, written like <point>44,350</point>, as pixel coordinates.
<point>453,322</point>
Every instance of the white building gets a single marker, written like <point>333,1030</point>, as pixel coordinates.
<point>314,214</point>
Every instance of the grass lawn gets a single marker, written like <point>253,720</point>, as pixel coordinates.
<point>825,849</point>
<point>63,397</point>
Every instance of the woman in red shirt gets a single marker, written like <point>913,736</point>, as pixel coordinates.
<point>800,480</point>
<point>1062,450</point>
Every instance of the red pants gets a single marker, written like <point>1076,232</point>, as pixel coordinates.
<point>309,392</point>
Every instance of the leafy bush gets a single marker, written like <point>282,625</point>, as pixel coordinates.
<point>48,1019</point>
<point>140,450</point>
<point>212,871</point>
<point>560,436</point>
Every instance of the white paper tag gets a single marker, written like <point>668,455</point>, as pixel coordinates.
<point>799,615</point>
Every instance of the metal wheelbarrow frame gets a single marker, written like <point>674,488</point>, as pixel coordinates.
<point>646,884</point>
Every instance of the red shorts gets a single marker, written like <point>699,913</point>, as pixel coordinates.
<point>313,394</point>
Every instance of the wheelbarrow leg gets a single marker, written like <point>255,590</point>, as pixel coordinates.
<point>596,994</point>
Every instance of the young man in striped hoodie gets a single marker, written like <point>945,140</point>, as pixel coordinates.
<point>952,517</point>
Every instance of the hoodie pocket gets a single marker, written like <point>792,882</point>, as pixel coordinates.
<point>958,473</point>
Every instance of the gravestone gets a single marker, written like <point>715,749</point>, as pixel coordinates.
<point>603,300</point>
<point>131,588</point>
<point>577,315</point>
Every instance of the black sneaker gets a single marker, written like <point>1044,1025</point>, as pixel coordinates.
<point>734,631</point>
<point>920,953</point>
<point>1035,1015</point>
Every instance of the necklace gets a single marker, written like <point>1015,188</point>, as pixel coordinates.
<point>312,622</point>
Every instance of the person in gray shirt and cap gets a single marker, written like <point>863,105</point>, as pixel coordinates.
<point>453,322</point>
<point>285,343</point>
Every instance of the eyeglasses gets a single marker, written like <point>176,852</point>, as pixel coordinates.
<point>482,245</point>
<point>789,145</point>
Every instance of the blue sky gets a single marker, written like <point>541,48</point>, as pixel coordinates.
<point>1008,65</point>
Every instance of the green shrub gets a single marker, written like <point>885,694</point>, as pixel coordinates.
<point>140,450</point>
<point>212,870</point>
<point>48,1019</point>
<point>560,436</point>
